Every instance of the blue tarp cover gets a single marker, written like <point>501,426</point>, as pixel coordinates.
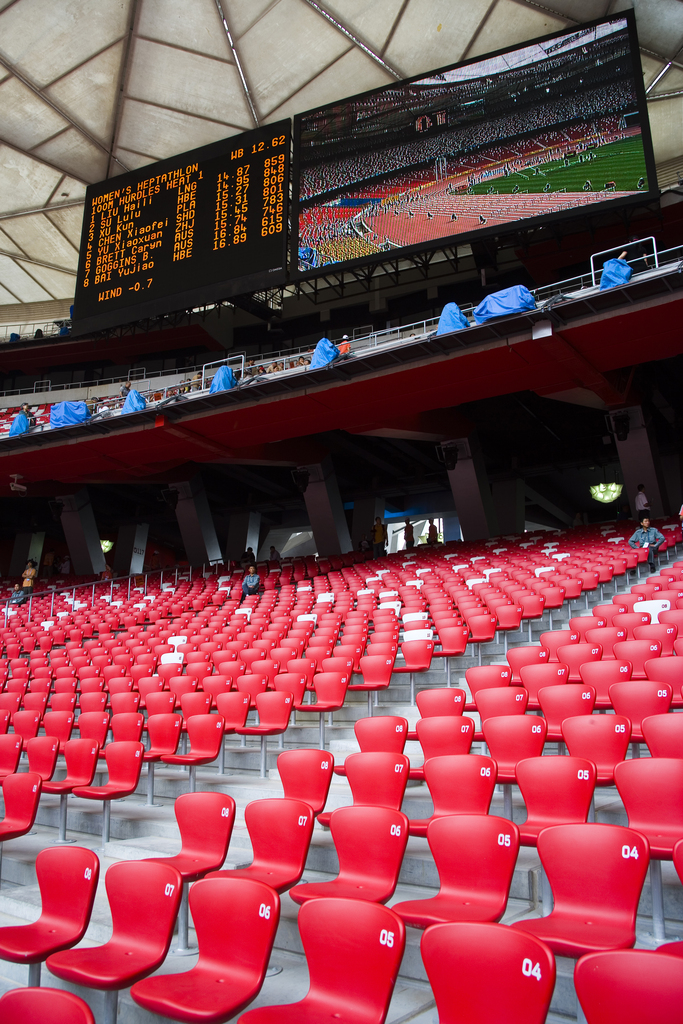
<point>510,300</point>
<point>325,352</point>
<point>67,414</point>
<point>134,402</point>
<point>19,424</point>
<point>224,380</point>
<point>452,319</point>
<point>614,272</point>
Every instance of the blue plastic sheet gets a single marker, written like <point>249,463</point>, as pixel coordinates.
<point>224,380</point>
<point>20,424</point>
<point>325,352</point>
<point>14,337</point>
<point>510,300</point>
<point>68,414</point>
<point>614,272</point>
<point>134,402</point>
<point>452,319</point>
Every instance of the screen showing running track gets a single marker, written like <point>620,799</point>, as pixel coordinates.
<point>193,229</point>
<point>551,126</point>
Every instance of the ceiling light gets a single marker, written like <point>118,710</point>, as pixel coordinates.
<point>606,492</point>
<point>106,545</point>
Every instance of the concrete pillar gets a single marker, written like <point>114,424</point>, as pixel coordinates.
<point>243,532</point>
<point>365,510</point>
<point>81,533</point>
<point>451,528</point>
<point>326,511</point>
<point>471,491</point>
<point>508,501</point>
<point>26,545</point>
<point>639,458</point>
<point>131,544</point>
<point>196,522</point>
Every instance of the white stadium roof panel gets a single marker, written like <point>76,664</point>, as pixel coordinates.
<point>88,90</point>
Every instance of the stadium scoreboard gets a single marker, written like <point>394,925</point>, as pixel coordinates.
<point>193,229</point>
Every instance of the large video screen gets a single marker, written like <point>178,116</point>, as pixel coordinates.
<point>555,125</point>
<point>196,228</point>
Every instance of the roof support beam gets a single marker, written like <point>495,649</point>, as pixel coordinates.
<point>238,63</point>
<point>354,39</point>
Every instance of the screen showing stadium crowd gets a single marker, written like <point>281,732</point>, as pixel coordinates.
<point>559,117</point>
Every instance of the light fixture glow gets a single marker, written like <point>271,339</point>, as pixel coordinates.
<point>106,545</point>
<point>606,492</point>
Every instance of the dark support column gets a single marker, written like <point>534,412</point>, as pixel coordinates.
<point>131,544</point>
<point>243,532</point>
<point>365,510</point>
<point>26,545</point>
<point>196,522</point>
<point>508,500</point>
<point>325,510</point>
<point>639,458</point>
<point>471,491</point>
<point>81,533</point>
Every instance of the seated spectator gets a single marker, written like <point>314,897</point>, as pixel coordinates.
<point>17,596</point>
<point>251,582</point>
<point>26,409</point>
<point>124,390</point>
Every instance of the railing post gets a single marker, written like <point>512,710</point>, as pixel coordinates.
<point>92,602</point>
<point>30,603</point>
<point>176,576</point>
<point>52,605</point>
<point>145,594</point>
<point>111,591</point>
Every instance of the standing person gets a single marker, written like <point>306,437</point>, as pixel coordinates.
<point>636,255</point>
<point>649,537</point>
<point>379,536</point>
<point>408,535</point>
<point>251,582</point>
<point>275,555</point>
<point>432,533</point>
<point>28,577</point>
<point>65,568</point>
<point>642,503</point>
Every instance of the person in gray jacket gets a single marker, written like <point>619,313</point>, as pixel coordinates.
<point>649,537</point>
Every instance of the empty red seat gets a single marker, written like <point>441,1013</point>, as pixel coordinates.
<point>664,735</point>
<point>509,700</point>
<point>386,732</point>
<point>667,670</point>
<point>556,791</point>
<point>602,675</point>
<point>280,832</point>
<point>205,821</point>
<point>417,656</point>
<point>370,843</point>
<point>124,764</point>
<point>486,677</point>
<point>638,652</point>
<point>306,775</point>
<point>558,638</point>
<point>630,987</point>
<point>376,671</point>
<point>42,756</point>
<point>330,693</point>
<point>140,939</point>
<point>535,676</point>
<point>205,733</point>
<point>37,1005</point>
<point>602,739</point>
<point>236,924</point>
<point>519,656</point>
<point>67,879</point>
<point>274,709</point>
<point>458,784</point>
<point>638,699</point>
<point>596,873</point>
<point>512,738</point>
<point>357,983</point>
<point>438,703</point>
<point>510,976</point>
<point>21,795</point>
<point>26,724</point>
<point>441,736</point>
<point>475,856</point>
<point>576,655</point>
<point>59,725</point>
<point>376,778</point>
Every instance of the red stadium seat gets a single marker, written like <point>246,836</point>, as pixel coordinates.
<point>458,784</point>
<point>510,739</point>
<point>67,880</point>
<point>274,709</point>
<point>376,671</point>
<point>37,1005</point>
<point>638,652</point>
<point>438,703</point>
<point>652,793</point>
<point>535,676</point>
<point>556,791</point>
<point>664,735</point>
<point>377,779</point>
<point>280,832</point>
<point>576,655</point>
<point>606,638</point>
<point>558,638</point>
<point>602,739</point>
<point>417,655</point>
<point>370,843</point>
<point>27,723</point>
<point>638,699</point>
<point>667,670</point>
<point>306,775</point>
<point>486,677</point>
<point>358,982</point>
<point>596,873</point>
<point>330,691</point>
<point>519,656</point>
<point>124,764</point>
<point>236,924</point>
<point>205,733</point>
<point>205,821</point>
<point>384,733</point>
<point>139,941</point>
<point>630,987</point>
<point>10,752</point>
<point>164,735</point>
<point>21,795</point>
<point>81,762</point>
<point>523,968</point>
<point>475,856</point>
<point>42,754</point>
<point>602,675</point>
<point>509,700</point>
<point>442,736</point>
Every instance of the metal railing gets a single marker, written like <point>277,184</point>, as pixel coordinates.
<point>107,585</point>
<point>622,248</point>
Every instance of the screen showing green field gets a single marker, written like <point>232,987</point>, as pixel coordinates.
<point>548,127</point>
<point>193,229</point>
